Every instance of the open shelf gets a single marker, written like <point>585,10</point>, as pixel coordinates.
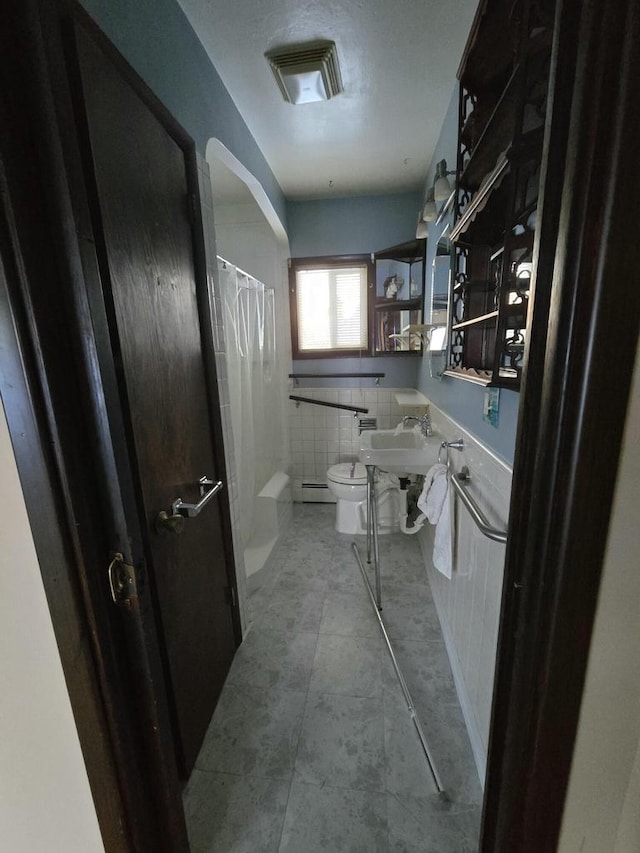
<point>483,320</point>
<point>488,55</point>
<point>480,377</point>
<point>496,137</point>
<point>481,197</point>
<point>399,304</point>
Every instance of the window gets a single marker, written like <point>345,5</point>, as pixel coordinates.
<point>329,306</point>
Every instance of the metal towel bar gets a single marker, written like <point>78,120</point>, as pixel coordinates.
<point>347,407</point>
<point>337,375</point>
<point>298,376</point>
<point>459,483</point>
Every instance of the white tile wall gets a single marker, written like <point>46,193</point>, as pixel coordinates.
<point>469,604</point>
<point>321,437</point>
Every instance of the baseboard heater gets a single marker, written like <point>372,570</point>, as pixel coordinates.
<point>316,493</point>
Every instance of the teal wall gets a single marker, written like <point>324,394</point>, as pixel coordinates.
<point>462,400</point>
<point>359,225</point>
<point>155,37</point>
<point>343,226</point>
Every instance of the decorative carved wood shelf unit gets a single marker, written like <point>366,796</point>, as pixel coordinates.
<point>504,78</point>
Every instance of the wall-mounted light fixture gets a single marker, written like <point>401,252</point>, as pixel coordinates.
<point>430,211</point>
<point>441,185</point>
<point>441,191</point>
<point>306,72</point>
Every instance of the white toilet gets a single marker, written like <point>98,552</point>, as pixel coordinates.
<point>347,481</point>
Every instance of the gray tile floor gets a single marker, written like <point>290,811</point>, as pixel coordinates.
<point>311,747</point>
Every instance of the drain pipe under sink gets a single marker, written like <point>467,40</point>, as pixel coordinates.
<point>420,520</point>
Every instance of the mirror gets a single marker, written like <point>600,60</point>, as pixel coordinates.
<point>399,295</point>
<point>439,302</point>
<point>437,308</point>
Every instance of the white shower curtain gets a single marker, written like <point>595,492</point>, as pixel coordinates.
<point>255,387</point>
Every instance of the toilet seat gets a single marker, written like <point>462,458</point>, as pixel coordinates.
<point>341,473</point>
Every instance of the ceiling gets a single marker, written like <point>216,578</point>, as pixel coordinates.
<point>398,60</point>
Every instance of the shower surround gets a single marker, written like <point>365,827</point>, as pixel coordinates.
<point>257,401</point>
<point>269,477</point>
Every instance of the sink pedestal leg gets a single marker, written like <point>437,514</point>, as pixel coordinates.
<point>369,512</point>
<point>372,531</point>
<point>403,684</point>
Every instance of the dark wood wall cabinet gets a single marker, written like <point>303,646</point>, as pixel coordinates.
<point>504,78</point>
<point>399,299</point>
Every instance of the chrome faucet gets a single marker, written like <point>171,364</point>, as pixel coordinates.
<point>423,422</point>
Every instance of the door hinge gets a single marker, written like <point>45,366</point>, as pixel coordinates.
<point>122,581</point>
<point>230,592</point>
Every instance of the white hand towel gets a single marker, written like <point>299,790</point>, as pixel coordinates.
<point>435,504</point>
<point>434,492</point>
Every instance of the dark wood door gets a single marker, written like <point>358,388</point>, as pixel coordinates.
<point>143,216</point>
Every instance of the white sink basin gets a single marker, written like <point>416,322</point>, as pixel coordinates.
<point>404,452</point>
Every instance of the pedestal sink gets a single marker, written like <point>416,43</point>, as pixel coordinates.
<point>404,451</point>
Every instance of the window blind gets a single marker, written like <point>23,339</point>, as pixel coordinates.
<point>332,308</point>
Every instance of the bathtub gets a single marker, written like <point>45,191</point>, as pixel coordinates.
<point>272,512</point>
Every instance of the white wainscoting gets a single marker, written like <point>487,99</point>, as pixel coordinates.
<point>468,605</point>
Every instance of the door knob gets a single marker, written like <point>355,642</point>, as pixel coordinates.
<point>171,523</point>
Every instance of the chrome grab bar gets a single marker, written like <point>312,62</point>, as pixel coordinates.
<point>193,510</point>
<point>314,402</point>
<point>459,482</point>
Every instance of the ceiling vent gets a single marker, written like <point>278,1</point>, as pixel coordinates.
<point>306,72</point>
